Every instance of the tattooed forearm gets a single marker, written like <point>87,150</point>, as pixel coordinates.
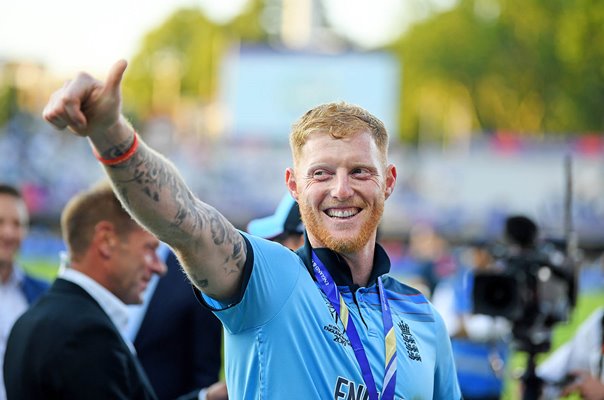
<point>153,191</point>
<point>151,172</point>
<point>158,182</point>
<point>118,150</point>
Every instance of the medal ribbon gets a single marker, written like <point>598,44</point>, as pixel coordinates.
<point>329,288</point>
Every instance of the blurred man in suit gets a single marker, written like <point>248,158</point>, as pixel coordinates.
<point>178,343</point>
<point>68,345</point>
<point>18,290</point>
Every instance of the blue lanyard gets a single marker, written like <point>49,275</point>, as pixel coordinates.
<point>329,288</point>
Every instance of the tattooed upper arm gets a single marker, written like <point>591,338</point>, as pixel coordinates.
<point>218,274</point>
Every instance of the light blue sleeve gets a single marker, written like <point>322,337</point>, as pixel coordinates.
<point>446,385</point>
<point>275,271</point>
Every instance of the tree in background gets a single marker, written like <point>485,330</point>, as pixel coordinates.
<point>486,65</point>
<point>180,60</point>
<point>8,103</point>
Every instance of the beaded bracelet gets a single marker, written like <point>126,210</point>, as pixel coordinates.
<point>121,158</point>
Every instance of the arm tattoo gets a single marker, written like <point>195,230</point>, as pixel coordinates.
<point>154,177</point>
<point>118,150</point>
<point>217,228</point>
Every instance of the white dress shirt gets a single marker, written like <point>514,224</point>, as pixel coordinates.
<point>12,304</point>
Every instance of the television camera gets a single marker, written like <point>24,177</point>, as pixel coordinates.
<point>532,286</point>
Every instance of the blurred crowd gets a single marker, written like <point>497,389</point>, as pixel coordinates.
<point>433,188</point>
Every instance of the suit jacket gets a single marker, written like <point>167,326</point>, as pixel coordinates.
<point>179,342</point>
<point>66,347</point>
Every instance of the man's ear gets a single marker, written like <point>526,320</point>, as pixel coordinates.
<point>104,238</point>
<point>390,180</point>
<point>290,182</point>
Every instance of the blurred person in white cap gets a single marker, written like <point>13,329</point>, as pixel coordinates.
<point>284,226</point>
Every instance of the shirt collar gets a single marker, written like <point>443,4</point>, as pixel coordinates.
<point>114,307</point>
<point>338,267</point>
<point>16,277</point>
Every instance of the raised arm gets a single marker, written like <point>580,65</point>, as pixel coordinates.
<point>211,249</point>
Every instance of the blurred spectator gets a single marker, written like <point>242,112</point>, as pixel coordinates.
<point>480,342</point>
<point>178,343</point>
<point>284,226</point>
<point>68,345</point>
<point>427,259</point>
<point>18,290</point>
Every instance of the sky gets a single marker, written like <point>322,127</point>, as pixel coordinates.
<point>74,35</point>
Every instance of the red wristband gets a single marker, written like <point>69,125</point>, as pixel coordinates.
<point>119,159</point>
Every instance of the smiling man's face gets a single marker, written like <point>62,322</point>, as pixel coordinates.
<point>341,185</point>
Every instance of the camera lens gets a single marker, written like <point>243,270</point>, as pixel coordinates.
<point>497,295</point>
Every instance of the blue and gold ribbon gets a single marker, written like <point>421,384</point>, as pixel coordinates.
<point>329,288</point>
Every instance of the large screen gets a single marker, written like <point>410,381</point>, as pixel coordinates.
<point>263,91</point>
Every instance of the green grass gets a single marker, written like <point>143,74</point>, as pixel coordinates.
<point>42,268</point>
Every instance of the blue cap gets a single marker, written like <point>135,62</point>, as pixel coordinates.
<point>286,219</point>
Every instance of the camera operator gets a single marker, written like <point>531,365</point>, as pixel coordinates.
<point>577,366</point>
<point>521,255</point>
<point>544,288</point>
<point>534,289</point>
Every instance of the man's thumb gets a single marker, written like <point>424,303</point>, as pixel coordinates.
<point>114,79</point>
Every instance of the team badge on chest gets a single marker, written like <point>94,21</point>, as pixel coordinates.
<point>410,343</point>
